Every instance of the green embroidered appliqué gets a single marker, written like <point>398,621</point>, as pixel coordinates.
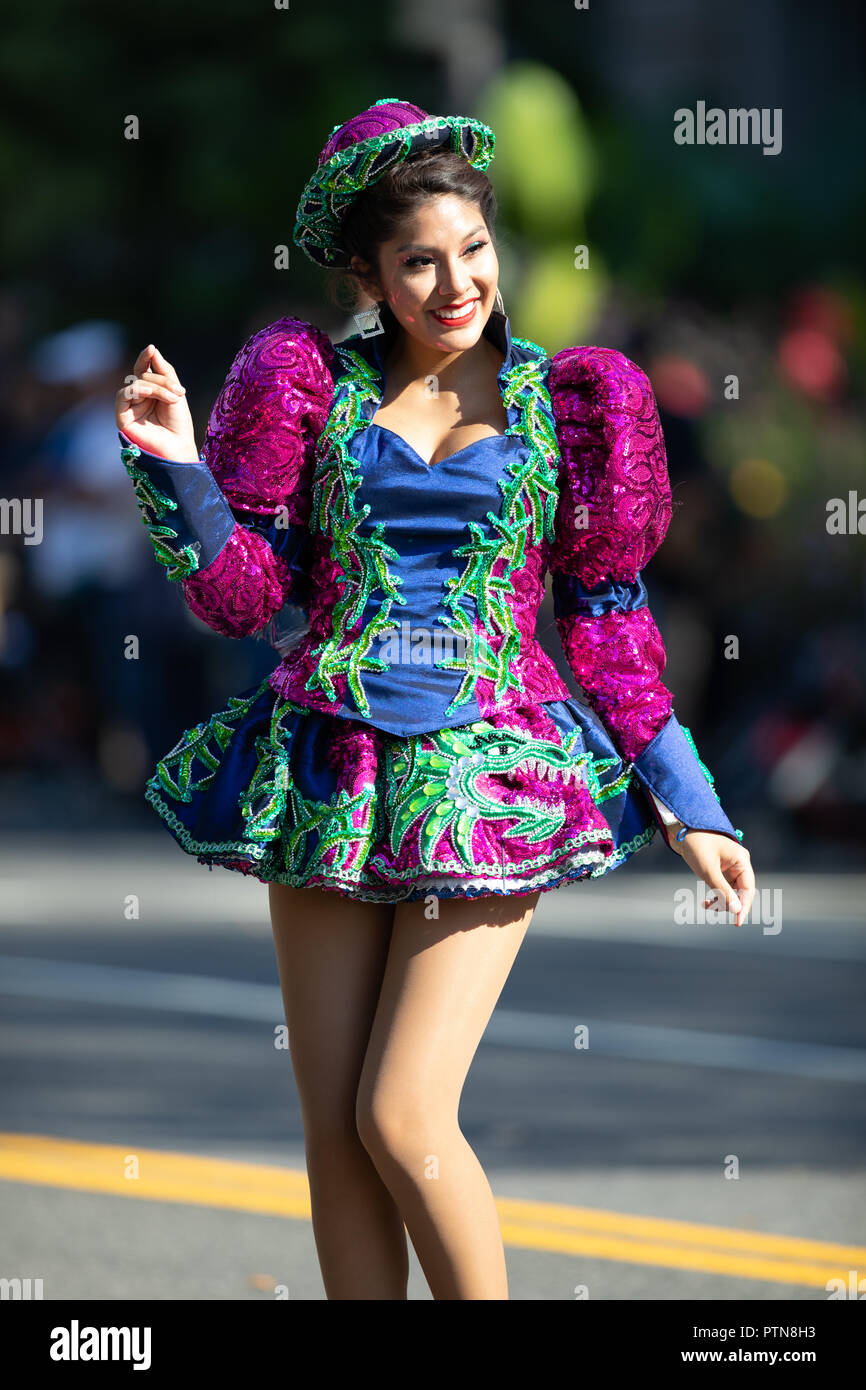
<point>442,786</point>
<point>273,802</point>
<point>335,184</point>
<point>530,495</point>
<point>180,560</point>
<point>177,773</point>
<point>439,802</point>
<point>364,559</point>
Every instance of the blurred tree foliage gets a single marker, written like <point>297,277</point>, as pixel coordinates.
<point>180,226</point>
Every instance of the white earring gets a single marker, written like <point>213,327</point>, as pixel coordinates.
<point>498,303</point>
<point>368,321</point>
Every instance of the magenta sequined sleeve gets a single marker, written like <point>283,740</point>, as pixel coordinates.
<point>259,448</point>
<point>613,512</point>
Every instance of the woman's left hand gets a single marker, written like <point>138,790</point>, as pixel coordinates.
<point>722,865</point>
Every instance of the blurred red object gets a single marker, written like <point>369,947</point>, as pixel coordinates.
<point>812,363</point>
<point>680,386</point>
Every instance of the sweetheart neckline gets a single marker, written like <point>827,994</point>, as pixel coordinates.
<point>483,440</point>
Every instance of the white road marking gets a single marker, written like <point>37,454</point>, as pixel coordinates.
<point>117,987</point>
<point>823,918</point>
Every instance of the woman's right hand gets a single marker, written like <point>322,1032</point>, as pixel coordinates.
<point>152,410</point>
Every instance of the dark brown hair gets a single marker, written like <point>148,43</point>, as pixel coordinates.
<point>378,212</point>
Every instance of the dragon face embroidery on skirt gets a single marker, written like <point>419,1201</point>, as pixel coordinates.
<point>479,802</point>
<point>442,783</point>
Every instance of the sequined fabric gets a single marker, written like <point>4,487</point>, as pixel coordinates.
<point>360,151</point>
<point>526,800</point>
<point>383,117</point>
<point>613,512</point>
<point>476,773</point>
<point>618,660</point>
<point>615,495</point>
<point>461,546</point>
<point>259,447</point>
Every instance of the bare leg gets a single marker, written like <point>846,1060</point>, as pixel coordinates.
<point>331,955</point>
<point>441,984</point>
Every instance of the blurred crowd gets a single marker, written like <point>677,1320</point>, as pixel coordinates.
<point>77,710</point>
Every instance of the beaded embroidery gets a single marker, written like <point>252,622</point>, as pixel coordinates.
<point>335,185</point>
<point>363,559</point>
<point>530,496</point>
<point>437,781</point>
<point>422,803</point>
<point>180,561</point>
<point>176,773</point>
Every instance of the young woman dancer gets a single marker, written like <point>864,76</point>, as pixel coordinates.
<point>413,773</point>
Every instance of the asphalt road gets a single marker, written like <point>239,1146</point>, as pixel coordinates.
<point>707,1044</point>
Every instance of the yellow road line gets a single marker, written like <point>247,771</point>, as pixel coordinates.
<point>156,1175</point>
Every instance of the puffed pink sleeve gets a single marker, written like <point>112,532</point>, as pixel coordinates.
<point>233,528</point>
<point>613,513</point>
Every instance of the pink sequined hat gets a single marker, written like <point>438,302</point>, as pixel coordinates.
<point>360,151</point>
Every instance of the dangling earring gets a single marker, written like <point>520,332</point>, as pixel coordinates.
<point>498,304</point>
<point>368,321</point>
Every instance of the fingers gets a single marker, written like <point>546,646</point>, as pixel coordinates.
<point>153,379</point>
<point>128,405</point>
<point>724,867</point>
<point>150,365</point>
<point>728,895</point>
<point>745,886</point>
<point>155,388</point>
<point>143,360</point>
<point>163,367</point>
<point>736,896</point>
<point>164,379</point>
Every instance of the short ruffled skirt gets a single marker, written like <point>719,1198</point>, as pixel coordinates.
<point>512,803</point>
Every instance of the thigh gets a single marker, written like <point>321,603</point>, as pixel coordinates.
<point>441,983</point>
<point>331,955</point>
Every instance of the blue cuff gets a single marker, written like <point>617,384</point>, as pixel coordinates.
<point>571,596</point>
<point>182,506</point>
<point>670,767</point>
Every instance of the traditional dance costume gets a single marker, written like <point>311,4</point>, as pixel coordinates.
<point>415,738</point>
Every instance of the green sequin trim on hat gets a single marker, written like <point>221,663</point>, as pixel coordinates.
<point>336,184</point>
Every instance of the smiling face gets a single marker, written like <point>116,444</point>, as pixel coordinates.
<point>439,274</point>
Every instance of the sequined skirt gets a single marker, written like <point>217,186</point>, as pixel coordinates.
<point>513,803</point>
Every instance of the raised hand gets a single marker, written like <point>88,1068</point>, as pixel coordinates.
<point>152,410</point>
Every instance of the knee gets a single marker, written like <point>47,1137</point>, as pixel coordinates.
<point>397,1129</point>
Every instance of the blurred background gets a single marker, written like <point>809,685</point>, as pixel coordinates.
<point>736,279</point>
<point>702,262</point>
